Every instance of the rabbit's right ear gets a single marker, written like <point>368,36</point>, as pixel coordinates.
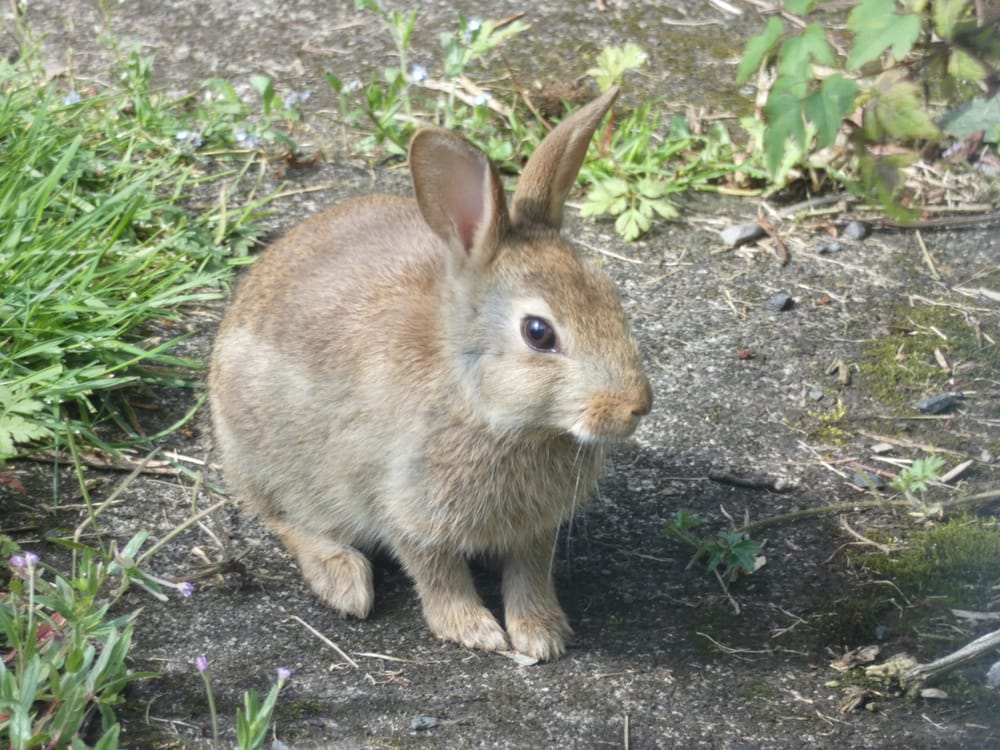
<point>459,193</point>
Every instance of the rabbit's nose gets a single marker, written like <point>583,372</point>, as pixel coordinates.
<point>642,400</point>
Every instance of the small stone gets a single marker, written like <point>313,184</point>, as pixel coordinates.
<point>739,234</point>
<point>825,248</point>
<point>423,723</point>
<point>866,480</point>
<point>880,448</point>
<point>816,394</point>
<point>993,676</point>
<point>279,745</point>
<point>935,693</point>
<point>780,301</point>
<point>938,404</point>
<point>856,230</point>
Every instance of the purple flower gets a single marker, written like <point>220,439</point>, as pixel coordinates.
<point>201,663</point>
<point>186,588</point>
<point>284,673</point>
<point>25,561</point>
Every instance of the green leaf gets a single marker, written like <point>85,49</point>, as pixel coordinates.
<point>784,123</point>
<point>877,27</point>
<point>16,429</point>
<point>946,16</point>
<point>965,67</point>
<point>109,740</point>
<point>828,106</point>
<point>800,7</point>
<point>613,62</point>
<point>758,48</point>
<point>798,52</point>
<point>978,114</point>
<point>899,109</point>
<point>632,224</point>
<point>609,196</point>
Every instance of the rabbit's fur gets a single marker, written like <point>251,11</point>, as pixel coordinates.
<point>373,385</point>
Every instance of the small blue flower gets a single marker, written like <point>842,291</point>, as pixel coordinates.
<point>480,99</point>
<point>284,673</point>
<point>186,588</point>
<point>418,74</point>
<point>354,85</point>
<point>247,140</point>
<point>70,99</point>
<point>201,663</point>
<point>296,97</point>
<point>191,138</point>
<point>471,27</point>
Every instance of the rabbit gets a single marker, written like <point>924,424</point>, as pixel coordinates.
<point>437,378</point>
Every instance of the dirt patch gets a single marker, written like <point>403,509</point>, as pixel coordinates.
<point>660,657</point>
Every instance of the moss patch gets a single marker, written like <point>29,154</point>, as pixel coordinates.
<point>955,564</point>
<point>900,368</point>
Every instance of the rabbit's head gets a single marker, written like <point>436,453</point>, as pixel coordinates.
<point>538,336</point>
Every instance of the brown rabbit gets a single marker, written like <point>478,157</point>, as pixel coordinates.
<point>435,377</point>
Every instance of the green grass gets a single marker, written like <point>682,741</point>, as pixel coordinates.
<point>102,257</point>
<point>99,257</point>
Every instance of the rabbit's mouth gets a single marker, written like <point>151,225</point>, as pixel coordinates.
<point>609,417</point>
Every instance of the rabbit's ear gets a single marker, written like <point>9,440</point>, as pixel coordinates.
<point>551,171</point>
<point>459,193</point>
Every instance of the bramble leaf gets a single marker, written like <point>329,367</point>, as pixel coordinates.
<point>964,66</point>
<point>798,52</point>
<point>899,111</point>
<point>877,27</point>
<point>758,49</point>
<point>784,119</point>
<point>946,15</point>
<point>828,106</point>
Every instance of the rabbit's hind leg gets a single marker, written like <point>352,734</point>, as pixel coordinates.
<point>338,573</point>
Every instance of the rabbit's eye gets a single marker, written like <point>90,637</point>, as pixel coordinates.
<point>539,334</point>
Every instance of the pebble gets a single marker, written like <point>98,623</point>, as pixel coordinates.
<point>780,301</point>
<point>828,247</point>
<point>279,745</point>
<point>816,394</point>
<point>866,480</point>
<point>993,676</point>
<point>880,448</point>
<point>423,723</point>
<point>856,230</point>
<point>739,234</point>
<point>938,404</point>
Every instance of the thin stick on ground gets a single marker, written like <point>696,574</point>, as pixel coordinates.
<point>340,652</point>
<point>972,651</point>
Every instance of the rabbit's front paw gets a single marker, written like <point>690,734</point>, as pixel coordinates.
<point>338,574</point>
<point>543,637</point>
<point>471,625</point>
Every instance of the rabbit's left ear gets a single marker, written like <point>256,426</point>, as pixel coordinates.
<point>551,171</point>
<point>459,193</point>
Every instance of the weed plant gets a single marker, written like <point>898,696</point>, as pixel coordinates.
<point>100,258</point>
<point>99,255</point>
